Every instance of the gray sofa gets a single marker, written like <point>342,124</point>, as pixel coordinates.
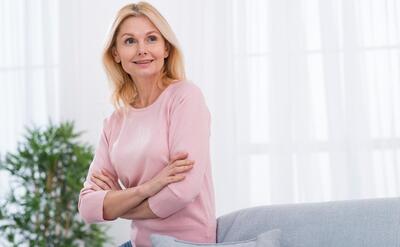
<point>355,223</point>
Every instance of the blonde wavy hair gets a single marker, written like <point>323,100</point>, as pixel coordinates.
<point>124,89</point>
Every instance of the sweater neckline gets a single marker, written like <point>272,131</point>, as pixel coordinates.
<point>156,101</point>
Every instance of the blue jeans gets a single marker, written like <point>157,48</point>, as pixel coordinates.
<point>127,244</point>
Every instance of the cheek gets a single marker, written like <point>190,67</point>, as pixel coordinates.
<point>126,58</point>
<point>159,52</point>
<point>127,54</point>
<point>126,66</point>
<point>160,59</point>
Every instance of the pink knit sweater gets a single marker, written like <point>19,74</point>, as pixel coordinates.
<point>136,146</point>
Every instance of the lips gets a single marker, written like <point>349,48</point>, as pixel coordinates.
<point>144,61</point>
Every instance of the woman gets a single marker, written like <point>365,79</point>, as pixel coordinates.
<point>156,143</point>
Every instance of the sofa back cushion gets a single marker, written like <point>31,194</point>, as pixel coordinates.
<point>356,223</point>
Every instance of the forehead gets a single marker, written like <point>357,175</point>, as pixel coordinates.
<point>137,25</point>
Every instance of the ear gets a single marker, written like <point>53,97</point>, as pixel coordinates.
<point>115,54</point>
<point>166,52</point>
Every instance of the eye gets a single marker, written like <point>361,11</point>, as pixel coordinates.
<point>152,38</point>
<point>129,41</point>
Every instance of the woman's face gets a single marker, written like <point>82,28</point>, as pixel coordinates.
<point>140,48</point>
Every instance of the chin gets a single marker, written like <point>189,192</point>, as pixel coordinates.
<point>146,75</point>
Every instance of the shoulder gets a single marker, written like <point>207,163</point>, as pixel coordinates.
<point>187,98</point>
<point>187,102</point>
<point>114,117</point>
<point>185,89</point>
<point>113,121</point>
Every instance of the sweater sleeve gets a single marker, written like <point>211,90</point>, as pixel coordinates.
<point>90,203</point>
<point>189,131</point>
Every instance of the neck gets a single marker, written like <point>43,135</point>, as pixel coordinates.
<point>148,91</point>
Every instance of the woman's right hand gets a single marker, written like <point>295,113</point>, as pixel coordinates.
<point>172,173</point>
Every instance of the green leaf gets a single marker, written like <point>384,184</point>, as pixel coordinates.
<point>47,171</point>
<point>10,237</point>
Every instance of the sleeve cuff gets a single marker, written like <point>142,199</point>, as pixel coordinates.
<point>165,203</point>
<point>91,206</point>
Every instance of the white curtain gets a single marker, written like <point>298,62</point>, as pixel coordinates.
<point>28,70</point>
<point>304,94</point>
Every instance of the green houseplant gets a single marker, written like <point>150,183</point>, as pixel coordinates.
<point>46,174</point>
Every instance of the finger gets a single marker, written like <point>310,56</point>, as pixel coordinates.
<point>175,178</point>
<point>100,183</point>
<point>105,179</point>
<point>95,187</point>
<point>178,156</point>
<point>182,163</point>
<point>113,179</point>
<point>96,184</point>
<point>181,169</point>
<point>108,174</point>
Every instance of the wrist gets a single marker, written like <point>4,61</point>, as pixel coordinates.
<point>143,190</point>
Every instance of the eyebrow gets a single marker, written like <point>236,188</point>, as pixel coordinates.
<point>130,34</point>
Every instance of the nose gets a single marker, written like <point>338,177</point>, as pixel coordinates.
<point>142,49</point>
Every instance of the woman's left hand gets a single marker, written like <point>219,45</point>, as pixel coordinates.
<point>104,181</point>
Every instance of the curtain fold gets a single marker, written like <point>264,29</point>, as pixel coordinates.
<point>28,70</point>
<point>304,94</point>
<point>311,106</point>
